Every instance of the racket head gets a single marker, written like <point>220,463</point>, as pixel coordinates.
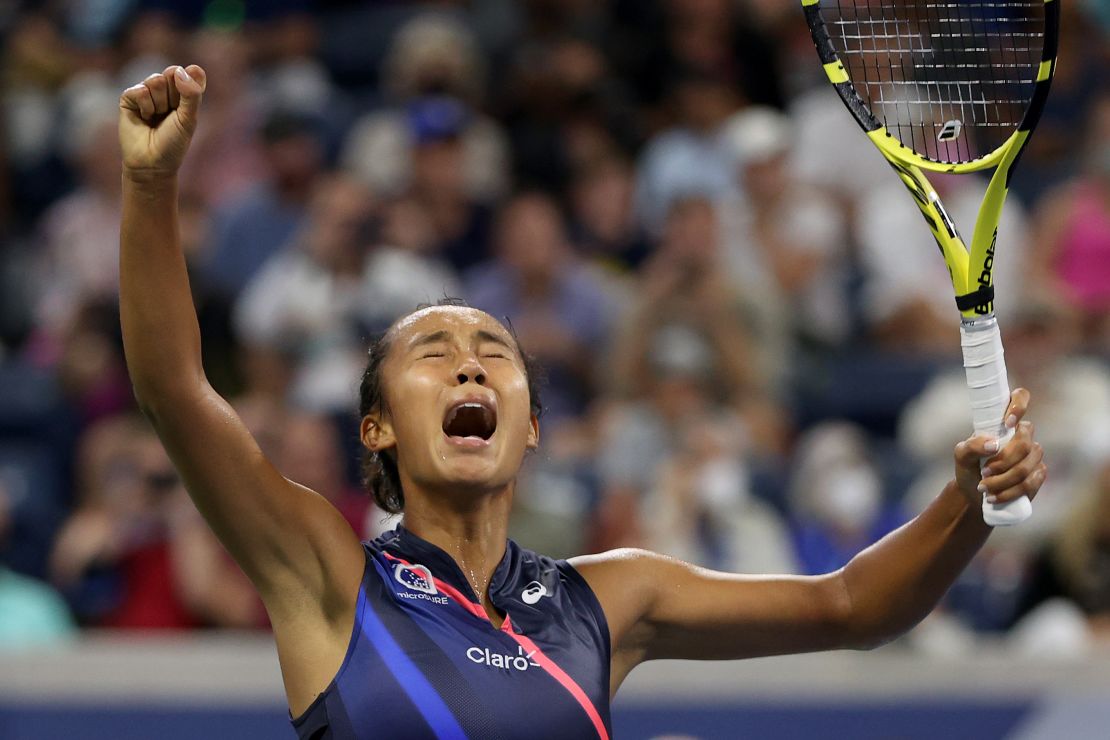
<point>943,85</point>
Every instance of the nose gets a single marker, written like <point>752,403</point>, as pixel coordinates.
<point>471,371</point>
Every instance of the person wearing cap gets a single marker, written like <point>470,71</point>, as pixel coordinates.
<point>784,242</point>
<point>249,230</point>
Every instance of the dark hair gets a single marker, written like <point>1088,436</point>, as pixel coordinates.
<point>379,469</point>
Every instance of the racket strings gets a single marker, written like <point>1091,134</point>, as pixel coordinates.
<point>951,80</point>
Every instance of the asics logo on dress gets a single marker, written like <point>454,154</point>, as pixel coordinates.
<point>522,661</point>
<point>533,592</point>
<point>418,579</point>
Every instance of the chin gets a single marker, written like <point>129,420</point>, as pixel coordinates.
<point>475,474</point>
<point>471,476</point>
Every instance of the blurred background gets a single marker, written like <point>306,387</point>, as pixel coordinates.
<point>750,342</point>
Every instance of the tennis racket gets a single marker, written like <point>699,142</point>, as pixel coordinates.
<point>953,86</point>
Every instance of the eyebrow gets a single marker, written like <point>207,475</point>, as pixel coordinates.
<point>487,336</point>
<point>442,336</point>
<point>437,336</point>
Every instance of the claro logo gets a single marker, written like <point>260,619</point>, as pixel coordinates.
<point>522,661</point>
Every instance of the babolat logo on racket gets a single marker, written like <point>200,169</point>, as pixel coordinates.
<point>950,131</point>
<point>985,277</point>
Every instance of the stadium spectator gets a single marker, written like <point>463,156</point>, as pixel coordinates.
<point>557,491</point>
<point>79,234</point>
<point>304,317</point>
<point>290,74</point>
<point>1052,156</point>
<point>682,359</point>
<point>818,117</point>
<point>435,76</point>
<point>562,107</point>
<point>460,222</point>
<point>249,229</point>
<point>89,364</point>
<point>674,467</point>
<point>1078,561</point>
<point>148,40</point>
<point>702,506</point>
<point>135,553</point>
<point>603,225</point>
<point>713,37</point>
<point>114,557</point>
<point>310,453</point>
<point>212,587</point>
<point>556,304</point>
<point>1071,257</point>
<point>690,158</point>
<point>31,613</point>
<point>683,298</point>
<point>837,499</point>
<point>232,161</point>
<point>784,243</point>
<point>38,60</point>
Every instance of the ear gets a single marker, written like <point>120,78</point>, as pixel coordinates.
<point>533,433</point>
<point>376,433</point>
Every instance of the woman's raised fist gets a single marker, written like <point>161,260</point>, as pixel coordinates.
<point>157,120</point>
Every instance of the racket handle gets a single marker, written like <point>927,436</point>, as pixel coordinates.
<point>989,389</point>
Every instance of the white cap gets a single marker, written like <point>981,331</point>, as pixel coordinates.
<point>756,134</point>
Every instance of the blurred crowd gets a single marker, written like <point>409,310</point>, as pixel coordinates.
<point>750,343</point>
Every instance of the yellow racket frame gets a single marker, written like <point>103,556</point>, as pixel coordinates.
<point>971,269</point>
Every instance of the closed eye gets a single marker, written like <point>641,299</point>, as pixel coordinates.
<point>498,355</point>
<point>430,355</point>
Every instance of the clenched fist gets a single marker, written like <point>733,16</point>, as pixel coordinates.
<point>157,120</point>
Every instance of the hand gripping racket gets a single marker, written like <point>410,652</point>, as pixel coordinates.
<point>953,86</point>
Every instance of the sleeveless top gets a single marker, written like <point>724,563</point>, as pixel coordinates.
<point>424,660</point>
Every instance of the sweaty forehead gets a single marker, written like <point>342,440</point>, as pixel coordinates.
<point>455,320</point>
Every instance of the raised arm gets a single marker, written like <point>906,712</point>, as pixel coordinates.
<point>658,607</point>
<point>293,545</point>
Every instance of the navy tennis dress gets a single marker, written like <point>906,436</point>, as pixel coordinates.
<point>425,661</point>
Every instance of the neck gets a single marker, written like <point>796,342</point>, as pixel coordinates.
<point>471,529</point>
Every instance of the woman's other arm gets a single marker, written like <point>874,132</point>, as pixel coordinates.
<point>658,607</point>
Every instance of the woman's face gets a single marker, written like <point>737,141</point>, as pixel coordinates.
<point>457,410</point>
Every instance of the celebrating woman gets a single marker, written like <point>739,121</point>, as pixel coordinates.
<point>444,627</point>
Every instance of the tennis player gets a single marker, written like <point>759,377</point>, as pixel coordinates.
<point>444,627</point>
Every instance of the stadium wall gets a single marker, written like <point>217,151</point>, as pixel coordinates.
<point>228,686</point>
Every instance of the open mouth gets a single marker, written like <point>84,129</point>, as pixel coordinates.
<point>470,420</point>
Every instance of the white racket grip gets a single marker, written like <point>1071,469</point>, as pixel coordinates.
<point>989,390</point>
